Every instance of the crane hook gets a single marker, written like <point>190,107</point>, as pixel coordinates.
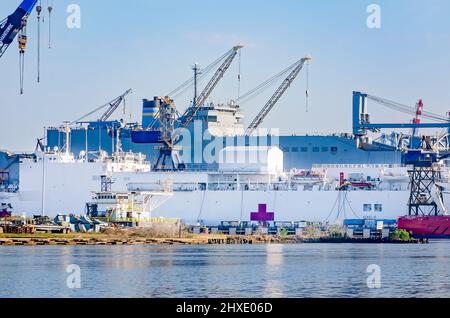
<point>50,10</point>
<point>22,39</point>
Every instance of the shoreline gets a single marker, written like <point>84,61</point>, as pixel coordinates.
<point>110,240</point>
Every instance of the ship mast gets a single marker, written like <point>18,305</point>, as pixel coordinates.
<point>196,70</point>
<point>67,131</point>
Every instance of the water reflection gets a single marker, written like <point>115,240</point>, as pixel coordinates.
<point>274,271</point>
<point>306,270</point>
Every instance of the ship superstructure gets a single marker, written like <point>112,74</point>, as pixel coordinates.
<point>59,182</point>
<point>205,154</point>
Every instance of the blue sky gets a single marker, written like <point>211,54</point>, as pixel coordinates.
<point>150,45</point>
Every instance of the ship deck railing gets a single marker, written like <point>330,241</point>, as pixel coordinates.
<point>357,166</point>
<point>276,186</point>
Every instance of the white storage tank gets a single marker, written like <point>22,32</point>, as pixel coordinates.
<point>251,159</point>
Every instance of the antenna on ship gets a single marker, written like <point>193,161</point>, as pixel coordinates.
<point>67,130</point>
<point>196,69</point>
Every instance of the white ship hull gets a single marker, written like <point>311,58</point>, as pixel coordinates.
<point>212,207</point>
<point>69,187</point>
<point>315,206</point>
<point>65,188</point>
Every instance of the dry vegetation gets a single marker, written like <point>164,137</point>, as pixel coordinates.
<point>159,230</point>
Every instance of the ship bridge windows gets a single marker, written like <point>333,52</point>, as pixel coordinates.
<point>316,149</point>
<point>286,149</point>
<point>295,149</point>
<point>378,208</point>
<point>324,149</point>
<point>334,149</point>
<point>107,197</point>
<point>304,149</point>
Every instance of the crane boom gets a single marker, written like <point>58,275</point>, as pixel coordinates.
<point>298,66</point>
<point>190,113</point>
<point>406,109</point>
<point>167,112</point>
<point>113,105</point>
<point>11,26</point>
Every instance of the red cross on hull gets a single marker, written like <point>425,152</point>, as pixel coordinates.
<point>262,215</point>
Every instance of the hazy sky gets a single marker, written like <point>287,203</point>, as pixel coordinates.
<point>150,45</point>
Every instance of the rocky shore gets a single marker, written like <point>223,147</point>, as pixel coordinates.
<point>105,239</point>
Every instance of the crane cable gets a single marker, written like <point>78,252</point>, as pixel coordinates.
<point>21,69</point>
<point>121,98</point>
<point>50,10</point>
<point>239,74</point>
<point>187,84</point>
<point>265,85</point>
<point>22,39</point>
<point>39,10</point>
<point>307,86</point>
<point>406,109</point>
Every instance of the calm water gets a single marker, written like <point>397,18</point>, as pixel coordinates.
<point>310,270</point>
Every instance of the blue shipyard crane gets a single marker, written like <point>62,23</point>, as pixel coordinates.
<point>172,126</point>
<point>362,121</point>
<point>424,157</point>
<point>425,150</point>
<point>14,24</point>
<point>296,69</point>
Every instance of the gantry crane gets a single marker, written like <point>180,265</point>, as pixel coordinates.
<point>171,126</point>
<point>296,68</point>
